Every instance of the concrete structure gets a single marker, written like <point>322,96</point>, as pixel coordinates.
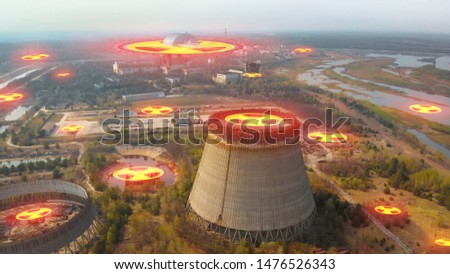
<point>143,96</point>
<point>178,39</point>
<point>127,68</point>
<point>256,190</point>
<point>69,236</point>
<point>49,128</point>
<point>253,67</point>
<point>173,80</point>
<point>227,78</point>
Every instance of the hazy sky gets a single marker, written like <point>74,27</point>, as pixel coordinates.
<point>29,16</point>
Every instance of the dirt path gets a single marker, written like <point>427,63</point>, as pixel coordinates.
<point>313,161</point>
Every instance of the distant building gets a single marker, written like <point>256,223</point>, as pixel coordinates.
<point>48,128</point>
<point>236,71</point>
<point>192,71</point>
<point>143,96</point>
<point>227,78</point>
<point>57,106</point>
<point>253,67</point>
<point>172,80</point>
<point>126,68</point>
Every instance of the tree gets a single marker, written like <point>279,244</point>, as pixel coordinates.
<point>56,173</point>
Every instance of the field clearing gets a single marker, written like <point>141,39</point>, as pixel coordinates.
<point>362,240</point>
<point>372,70</point>
<point>191,100</point>
<point>424,215</point>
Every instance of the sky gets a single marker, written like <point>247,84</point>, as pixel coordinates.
<point>20,17</point>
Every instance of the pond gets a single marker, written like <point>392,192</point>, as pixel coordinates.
<point>424,139</point>
<point>404,61</point>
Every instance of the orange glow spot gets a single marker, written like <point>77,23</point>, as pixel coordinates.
<point>388,210</point>
<point>425,108</point>
<point>138,173</point>
<point>156,110</point>
<point>443,242</point>
<point>158,47</point>
<point>303,50</point>
<point>10,97</point>
<point>254,119</point>
<point>35,56</point>
<point>327,137</point>
<point>63,74</point>
<point>33,214</point>
<point>252,75</point>
<point>72,129</point>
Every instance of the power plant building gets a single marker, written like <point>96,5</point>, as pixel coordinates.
<point>255,189</point>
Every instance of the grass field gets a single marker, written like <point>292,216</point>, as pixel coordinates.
<point>424,215</point>
<point>191,100</point>
<point>427,79</point>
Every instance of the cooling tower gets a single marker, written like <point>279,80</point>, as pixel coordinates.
<point>251,183</point>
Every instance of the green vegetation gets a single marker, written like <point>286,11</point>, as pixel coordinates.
<point>116,209</point>
<point>95,158</point>
<point>38,166</point>
<point>402,173</point>
<point>30,132</point>
<point>157,222</point>
<point>332,213</point>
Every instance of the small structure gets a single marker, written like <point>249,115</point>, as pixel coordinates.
<point>227,78</point>
<point>49,128</point>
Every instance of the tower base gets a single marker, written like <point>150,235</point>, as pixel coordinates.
<point>253,237</point>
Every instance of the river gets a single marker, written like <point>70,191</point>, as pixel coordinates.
<point>424,139</point>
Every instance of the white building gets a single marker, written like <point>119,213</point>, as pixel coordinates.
<point>227,78</point>
<point>126,68</point>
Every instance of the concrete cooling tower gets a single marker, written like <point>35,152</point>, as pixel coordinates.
<point>251,183</point>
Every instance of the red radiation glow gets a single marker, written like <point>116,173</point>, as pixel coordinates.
<point>138,173</point>
<point>63,74</point>
<point>303,50</point>
<point>425,108</point>
<point>324,137</point>
<point>33,214</point>
<point>158,47</point>
<point>252,75</point>
<point>32,57</point>
<point>388,210</point>
<point>443,242</point>
<point>72,129</point>
<point>254,126</point>
<point>254,119</point>
<point>156,110</point>
<point>10,97</point>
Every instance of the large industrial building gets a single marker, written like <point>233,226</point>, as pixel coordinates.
<point>67,237</point>
<point>252,189</point>
<point>143,96</point>
<point>127,68</point>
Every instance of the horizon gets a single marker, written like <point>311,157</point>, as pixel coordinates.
<point>110,17</point>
